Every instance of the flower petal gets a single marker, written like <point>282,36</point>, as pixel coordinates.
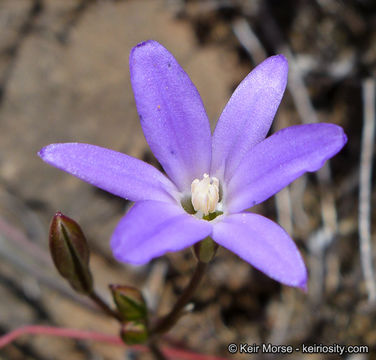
<point>171,112</point>
<point>109,170</point>
<point>264,244</point>
<point>247,117</point>
<point>280,159</point>
<point>152,228</point>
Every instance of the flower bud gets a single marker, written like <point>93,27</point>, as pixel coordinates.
<point>70,253</point>
<point>129,302</point>
<point>205,250</point>
<point>134,332</point>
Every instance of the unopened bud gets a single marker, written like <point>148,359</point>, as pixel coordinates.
<point>129,302</point>
<point>134,332</point>
<point>70,253</point>
<point>205,250</point>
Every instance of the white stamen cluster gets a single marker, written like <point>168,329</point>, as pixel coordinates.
<point>205,194</point>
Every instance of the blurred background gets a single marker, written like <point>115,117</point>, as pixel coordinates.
<point>64,77</point>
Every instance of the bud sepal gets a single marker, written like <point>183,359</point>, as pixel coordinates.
<point>130,302</point>
<point>134,332</point>
<point>205,250</point>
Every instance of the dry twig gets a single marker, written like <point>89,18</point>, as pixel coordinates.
<point>368,136</point>
<point>307,114</point>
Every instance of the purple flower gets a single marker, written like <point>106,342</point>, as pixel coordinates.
<point>211,179</point>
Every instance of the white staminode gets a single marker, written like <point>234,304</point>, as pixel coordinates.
<point>205,194</point>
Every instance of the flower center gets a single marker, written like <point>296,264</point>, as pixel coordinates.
<point>205,194</point>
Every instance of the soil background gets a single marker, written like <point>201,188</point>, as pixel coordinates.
<point>64,78</point>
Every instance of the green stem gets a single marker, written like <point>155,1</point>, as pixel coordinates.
<point>165,323</point>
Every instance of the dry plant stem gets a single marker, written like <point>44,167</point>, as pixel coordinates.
<point>15,261</point>
<point>368,135</point>
<point>249,40</point>
<point>307,114</point>
<point>154,284</point>
<point>23,242</point>
<point>165,323</point>
<point>283,198</point>
<point>101,303</point>
<point>306,111</point>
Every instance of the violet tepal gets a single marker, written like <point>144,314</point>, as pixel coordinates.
<point>210,179</point>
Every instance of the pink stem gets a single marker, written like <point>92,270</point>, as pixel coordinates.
<point>55,331</point>
<point>172,353</point>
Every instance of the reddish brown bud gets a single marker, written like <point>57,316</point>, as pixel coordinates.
<point>70,253</point>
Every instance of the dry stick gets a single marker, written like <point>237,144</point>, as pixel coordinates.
<point>38,258</point>
<point>40,276</point>
<point>249,40</point>
<point>166,322</point>
<point>284,210</point>
<point>283,198</point>
<point>282,320</point>
<point>256,51</point>
<point>154,284</point>
<point>298,188</point>
<point>24,244</point>
<point>299,93</point>
<point>368,135</point>
<point>307,114</point>
<point>320,241</point>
